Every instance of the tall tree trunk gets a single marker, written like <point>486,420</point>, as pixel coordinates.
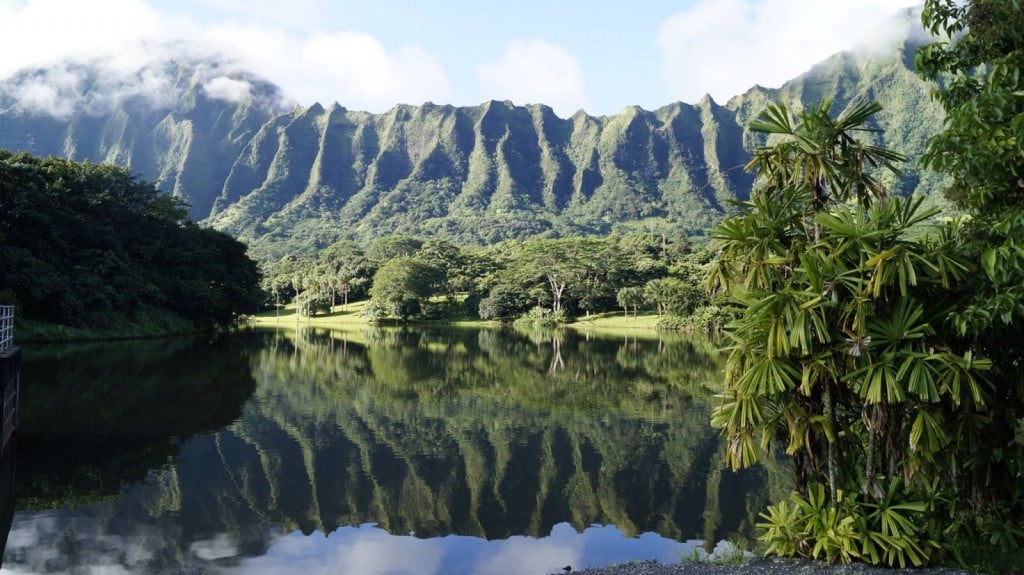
<point>872,416</point>
<point>830,408</point>
<point>556,292</point>
<point>800,472</point>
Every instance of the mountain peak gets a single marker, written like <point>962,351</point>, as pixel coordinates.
<point>99,86</point>
<point>287,182</point>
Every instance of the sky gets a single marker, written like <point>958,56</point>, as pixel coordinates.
<point>596,55</point>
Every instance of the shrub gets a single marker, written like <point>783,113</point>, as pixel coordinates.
<point>541,317</point>
<point>887,532</point>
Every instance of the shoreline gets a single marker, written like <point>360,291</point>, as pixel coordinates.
<point>759,566</point>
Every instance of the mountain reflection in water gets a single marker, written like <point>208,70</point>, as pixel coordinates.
<point>390,451</point>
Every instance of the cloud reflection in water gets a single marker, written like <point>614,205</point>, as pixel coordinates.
<point>369,549</point>
<point>40,545</point>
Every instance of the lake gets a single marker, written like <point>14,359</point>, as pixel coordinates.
<point>392,451</point>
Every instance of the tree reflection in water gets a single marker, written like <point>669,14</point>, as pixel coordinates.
<point>494,436</point>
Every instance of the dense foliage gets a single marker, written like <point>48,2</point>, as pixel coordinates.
<point>871,345</point>
<point>91,245</point>
<point>980,69</point>
<point>841,352</point>
<point>543,281</point>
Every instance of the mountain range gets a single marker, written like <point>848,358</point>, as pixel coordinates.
<point>293,179</point>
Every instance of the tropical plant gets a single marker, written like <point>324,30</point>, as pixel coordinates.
<point>977,62</point>
<point>630,297</point>
<point>889,532</point>
<point>840,351</point>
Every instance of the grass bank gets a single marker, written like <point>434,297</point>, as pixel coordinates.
<point>342,317</point>
<point>146,323</point>
<point>617,321</point>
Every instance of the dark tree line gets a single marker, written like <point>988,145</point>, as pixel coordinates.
<point>86,245</point>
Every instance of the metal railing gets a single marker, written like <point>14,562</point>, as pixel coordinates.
<point>10,376</point>
<point>6,326</point>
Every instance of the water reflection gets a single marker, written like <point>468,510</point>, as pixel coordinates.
<point>469,450</point>
<point>96,417</point>
<point>48,540</point>
<point>8,501</point>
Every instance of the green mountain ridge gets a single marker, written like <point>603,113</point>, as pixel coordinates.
<point>159,122</point>
<point>299,180</point>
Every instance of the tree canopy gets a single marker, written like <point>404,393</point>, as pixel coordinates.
<point>839,351</point>
<point>82,244</point>
<point>978,64</point>
<point>877,344</point>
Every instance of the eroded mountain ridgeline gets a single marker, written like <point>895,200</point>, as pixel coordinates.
<point>294,181</point>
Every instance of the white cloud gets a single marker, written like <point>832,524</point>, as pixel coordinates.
<point>229,89</point>
<point>310,50</point>
<point>361,72</point>
<point>297,14</point>
<point>519,554</point>
<point>723,47</point>
<point>42,98</point>
<point>536,72</point>
<point>350,67</point>
<point>349,550</point>
<point>40,32</point>
<point>220,546</point>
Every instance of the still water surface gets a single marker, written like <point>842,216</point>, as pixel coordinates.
<point>391,451</point>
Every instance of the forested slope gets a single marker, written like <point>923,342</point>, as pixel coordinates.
<point>90,246</point>
<point>293,181</point>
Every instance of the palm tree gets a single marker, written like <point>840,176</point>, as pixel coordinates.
<point>840,347</point>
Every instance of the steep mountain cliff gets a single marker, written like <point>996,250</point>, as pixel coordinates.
<point>180,124</point>
<point>479,174</point>
<point>295,181</point>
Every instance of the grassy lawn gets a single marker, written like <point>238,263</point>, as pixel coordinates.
<point>616,321</point>
<point>342,317</point>
<point>347,319</point>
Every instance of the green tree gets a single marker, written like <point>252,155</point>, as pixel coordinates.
<point>646,254</point>
<point>449,259</point>
<point>92,246</point>
<point>978,64</point>
<point>982,148</point>
<point>840,351</point>
<point>348,270</point>
<point>570,269</point>
<point>390,247</point>
<point>673,296</point>
<point>630,297</point>
<point>504,303</point>
<point>401,286</point>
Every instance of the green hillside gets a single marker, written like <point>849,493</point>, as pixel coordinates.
<point>296,181</point>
